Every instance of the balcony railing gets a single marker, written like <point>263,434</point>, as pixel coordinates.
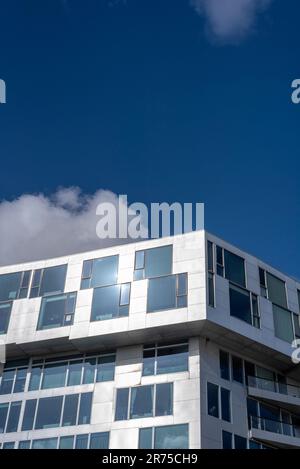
<point>274,386</point>
<point>274,426</point>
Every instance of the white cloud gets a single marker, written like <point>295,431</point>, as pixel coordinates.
<point>229,21</point>
<point>36,227</point>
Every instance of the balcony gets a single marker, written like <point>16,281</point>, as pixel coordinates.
<point>275,432</point>
<point>286,395</point>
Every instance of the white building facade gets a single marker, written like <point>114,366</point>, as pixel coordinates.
<point>180,342</point>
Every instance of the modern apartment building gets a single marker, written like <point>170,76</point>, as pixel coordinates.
<point>180,342</point>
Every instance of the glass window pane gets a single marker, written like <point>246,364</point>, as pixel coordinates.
<point>213,400</point>
<point>224,365</point>
<point>9,286</point>
<point>89,368</point>
<point>66,442</point>
<point>149,362</point>
<point>234,268</point>
<point>85,408</point>
<point>164,399</point>
<point>3,416</point>
<point>75,370</point>
<point>237,369</point>
<point>70,410</point>
<point>276,290</point>
<point>49,412</point>
<point>9,445</point>
<point>105,303</point>
<point>125,294</point>
<point>158,261</point>
<point>29,413</point>
<point>254,445</point>
<point>122,404</point>
<point>26,279</point>
<point>181,284</point>
<point>262,279</point>
<point>283,324</point>
<point>171,437</point>
<point>7,381</point>
<point>139,260</point>
<point>35,378</point>
<point>37,275</point>
<point>210,256</point>
<point>141,404</point>
<point>211,290</point>
<point>227,440</point>
<point>249,371</point>
<point>105,271</point>
<point>240,304</point>
<point>145,438</point>
<point>53,280</point>
<point>106,368</point>
<point>54,376</point>
<point>161,293</point>
<point>20,380</point>
<point>225,405</point>
<point>219,252</point>
<point>25,444</point>
<point>53,311</point>
<point>87,269</point>
<point>240,442</point>
<point>45,443</point>
<point>172,359</point>
<point>82,441</point>
<point>5,311</point>
<point>296,325</point>
<point>99,440</point>
<point>13,418</point>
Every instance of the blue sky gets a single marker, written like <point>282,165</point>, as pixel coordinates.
<point>153,99</point>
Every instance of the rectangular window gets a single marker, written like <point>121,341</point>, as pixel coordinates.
<point>171,437</point>
<point>144,401</point>
<point>237,370</point>
<point>283,324</point>
<point>45,443</point>
<point>240,442</point>
<point>164,399</point>
<point>298,294</point>
<point>122,404</point>
<point>5,312</point>
<point>9,445</point>
<point>100,272</point>
<point>14,286</point>
<point>141,402</point>
<point>156,262</point>
<point>296,323</point>
<point>110,302</point>
<point>70,410</point>
<point>3,416</point>
<point>234,268</point>
<point>211,289</point>
<point>35,378</point>
<point>165,359</point>
<point>54,375</point>
<point>213,400</point>
<point>99,440</point>
<point>89,369</point>
<point>220,261</point>
<point>7,382</point>
<point>48,281</point>
<point>29,413</point>
<point>165,437</point>
<point>210,256</point>
<point>167,293</point>
<point>106,368</point>
<point>263,283</point>
<point>244,305</point>
<point>75,372</point>
<point>224,365</point>
<point>85,408</point>
<point>57,311</point>
<point>225,405</point>
<point>66,442</point>
<point>13,418</point>
<point>276,291</point>
<point>48,412</point>
<point>82,441</point>
<point>24,444</point>
<point>226,440</point>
